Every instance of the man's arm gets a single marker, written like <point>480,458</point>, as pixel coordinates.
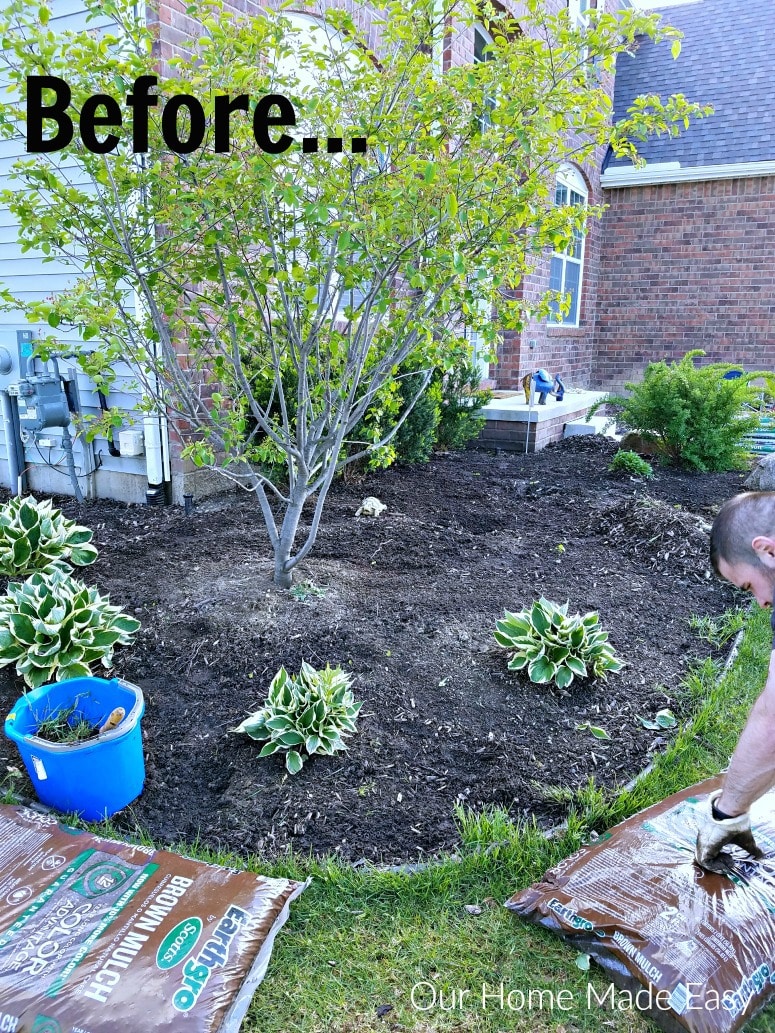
<point>725,819</point>
<point>752,767</point>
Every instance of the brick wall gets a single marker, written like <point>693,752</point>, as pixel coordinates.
<point>686,265</point>
<point>560,349</point>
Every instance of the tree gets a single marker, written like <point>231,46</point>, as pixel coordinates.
<point>279,290</point>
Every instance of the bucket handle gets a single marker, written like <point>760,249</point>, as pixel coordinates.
<point>131,718</point>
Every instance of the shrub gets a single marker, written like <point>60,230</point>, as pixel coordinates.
<point>415,438</point>
<point>698,418</point>
<point>36,537</point>
<point>54,627</point>
<point>554,646</point>
<point>462,401</point>
<point>307,714</point>
<point>630,463</point>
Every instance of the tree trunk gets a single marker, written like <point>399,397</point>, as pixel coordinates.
<point>283,573</point>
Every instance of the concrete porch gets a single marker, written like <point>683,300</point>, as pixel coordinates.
<point>511,422</point>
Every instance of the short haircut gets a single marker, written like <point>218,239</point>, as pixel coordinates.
<point>739,521</point>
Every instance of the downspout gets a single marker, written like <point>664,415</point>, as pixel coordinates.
<point>156,494</point>
<point>10,443</point>
<point>21,462</point>
<point>112,447</point>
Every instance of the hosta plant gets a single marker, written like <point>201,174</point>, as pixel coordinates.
<point>554,646</point>
<point>34,536</point>
<point>54,627</point>
<point>305,714</point>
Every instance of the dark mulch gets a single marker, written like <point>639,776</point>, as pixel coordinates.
<point>410,602</point>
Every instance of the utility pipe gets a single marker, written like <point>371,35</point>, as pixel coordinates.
<point>10,444</point>
<point>21,487</point>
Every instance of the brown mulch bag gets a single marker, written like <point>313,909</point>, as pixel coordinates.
<point>694,950</point>
<point>102,936</point>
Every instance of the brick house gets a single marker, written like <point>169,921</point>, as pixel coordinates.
<point>701,214</point>
<point>687,242</point>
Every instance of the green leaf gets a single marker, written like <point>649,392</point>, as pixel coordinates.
<point>599,733</point>
<point>21,553</point>
<point>269,749</point>
<point>541,670</point>
<point>675,49</point>
<point>294,762</point>
<point>83,555</point>
<point>563,677</point>
<point>665,718</point>
<point>75,670</point>
<point>539,619</point>
<point>577,666</point>
<point>22,629</point>
<point>291,739</point>
<point>518,662</point>
<point>279,723</point>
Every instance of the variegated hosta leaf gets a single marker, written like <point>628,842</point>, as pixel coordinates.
<point>554,646</point>
<point>308,714</point>
<point>54,627</point>
<point>36,537</point>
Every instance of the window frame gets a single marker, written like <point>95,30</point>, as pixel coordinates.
<point>572,180</point>
<point>484,120</point>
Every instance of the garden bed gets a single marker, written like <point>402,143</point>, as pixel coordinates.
<point>406,602</point>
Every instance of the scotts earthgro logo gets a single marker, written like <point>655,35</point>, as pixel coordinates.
<point>178,943</point>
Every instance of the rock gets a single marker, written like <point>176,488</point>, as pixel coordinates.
<point>371,507</point>
<point>643,444</point>
<point>762,477</point>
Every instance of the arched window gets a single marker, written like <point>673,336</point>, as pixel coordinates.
<point>567,266</point>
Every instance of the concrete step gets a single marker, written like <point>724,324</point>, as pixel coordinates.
<point>596,425</point>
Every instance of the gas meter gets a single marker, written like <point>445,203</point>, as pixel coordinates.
<point>42,403</point>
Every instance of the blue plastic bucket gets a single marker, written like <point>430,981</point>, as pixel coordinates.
<point>94,778</point>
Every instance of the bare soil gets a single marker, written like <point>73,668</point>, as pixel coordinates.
<point>407,602</point>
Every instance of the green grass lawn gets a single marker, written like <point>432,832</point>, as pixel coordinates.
<point>361,941</point>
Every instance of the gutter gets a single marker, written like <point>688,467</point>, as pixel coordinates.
<point>673,172</point>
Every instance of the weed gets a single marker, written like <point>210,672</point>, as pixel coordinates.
<point>719,630</point>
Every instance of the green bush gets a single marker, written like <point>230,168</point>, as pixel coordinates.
<point>54,627</point>
<point>462,401</point>
<point>630,463</point>
<point>304,715</point>
<point>554,646</point>
<point>697,417</point>
<point>36,537</point>
<point>415,438</point>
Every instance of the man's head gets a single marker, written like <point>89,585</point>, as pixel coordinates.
<point>742,543</point>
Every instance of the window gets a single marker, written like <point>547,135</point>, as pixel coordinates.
<point>565,275</point>
<point>577,9</point>
<point>578,12</point>
<point>480,353</point>
<point>483,41</point>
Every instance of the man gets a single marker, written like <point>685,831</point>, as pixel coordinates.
<point>742,550</point>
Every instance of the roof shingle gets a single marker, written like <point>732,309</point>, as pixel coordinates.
<point>727,60</point>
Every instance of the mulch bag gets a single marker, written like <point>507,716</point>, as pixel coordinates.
<point>100,935</point>
<point>694,950</point>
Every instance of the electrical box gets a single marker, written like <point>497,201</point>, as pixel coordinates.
<point>130,443</point>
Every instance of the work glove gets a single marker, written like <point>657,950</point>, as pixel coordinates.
<point>714,834</point>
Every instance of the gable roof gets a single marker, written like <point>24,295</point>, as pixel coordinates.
<point>727,60</point>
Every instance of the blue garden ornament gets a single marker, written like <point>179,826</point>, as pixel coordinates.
<point>545,385</point>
